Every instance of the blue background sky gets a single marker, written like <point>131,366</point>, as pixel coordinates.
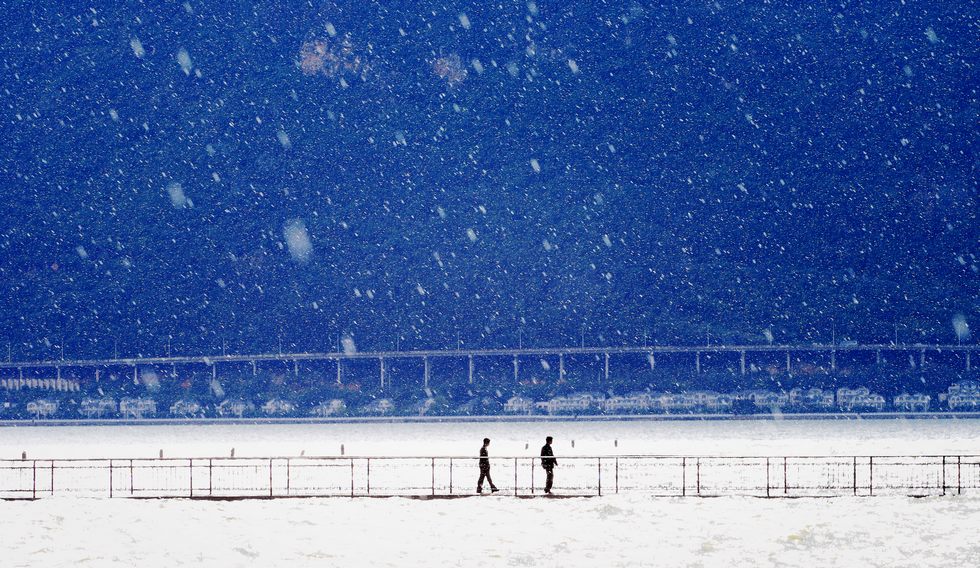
<point>617,171</point>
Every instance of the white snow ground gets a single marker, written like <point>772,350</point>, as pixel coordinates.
<point>618,530</point>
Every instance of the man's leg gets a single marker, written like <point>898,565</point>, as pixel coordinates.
<point>549,481</point>
<point>479,484</point>
<point>490,481</point>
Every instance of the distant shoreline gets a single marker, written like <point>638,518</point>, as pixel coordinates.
<point>504,418</point>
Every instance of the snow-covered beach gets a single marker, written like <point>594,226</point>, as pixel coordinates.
<point>493,531</point>
<point>740,437</point>
<point>617,530</point>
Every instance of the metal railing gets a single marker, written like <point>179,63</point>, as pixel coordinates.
<point>451,476</point>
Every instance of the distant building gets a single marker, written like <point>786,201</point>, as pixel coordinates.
<point>575,403</point>
<point>185,408</point>
<point>912,402</point>
<point>767,399</point>
<point>278,407</point>
<point>846,395</point>
<point>423,407</point>
<point>42,408</point>
<point>97,407</point>
<point>812,398</point>
<point>331,408</point>
<point>380,406</point>
<point>708,400</point>
<point>859,399</point>
<point>633,402</point>
<point>671,402</point>
<point>964,395</point>
<point>54,384</point>
<point>235,408</point>
<point>518,405</point>
<point>967,387</point>
<point>137,407</point>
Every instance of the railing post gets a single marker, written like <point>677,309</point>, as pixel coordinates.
<point>450,476</point>
<point>767,477</point>
<point>52,477</point>
<point>600,477</point>
<point>368,478</point>
<point>683,477</point>
<point>110,478</point>
<point>433,477</point>
<point>785,485</point>
<point>270,476</point>
<point>34,482</point>
<point>532,476</point>
<point>944,475</point>
<point>855,475</point>
<point>132,484</point>
<point>698,480</point>
<point>190,467</point>
<point>959,485</point>
<point>210,477</point>
<point>351,475</point>
<point>617,475</point>
<point>515,477</point>
<point>871,475</point>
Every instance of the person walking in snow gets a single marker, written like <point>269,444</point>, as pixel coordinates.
<point>548,462</point>
<point>485,469</point>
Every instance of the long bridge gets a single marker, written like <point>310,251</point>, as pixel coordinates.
<point>829,352</point>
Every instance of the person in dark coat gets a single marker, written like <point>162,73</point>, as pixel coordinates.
<point>548,462</point>
<point>485,469</point>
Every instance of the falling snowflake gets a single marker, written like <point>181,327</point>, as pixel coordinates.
<point>450,68</point>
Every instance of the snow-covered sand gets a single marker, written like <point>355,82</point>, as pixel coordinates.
<point>493,531</point>
<point>738,437</point>
<point>617,530</point>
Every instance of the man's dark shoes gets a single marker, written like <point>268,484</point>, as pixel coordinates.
<point>493,490</point>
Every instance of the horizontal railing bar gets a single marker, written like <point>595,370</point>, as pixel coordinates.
<point>502,352</point>
<point>499,457</point>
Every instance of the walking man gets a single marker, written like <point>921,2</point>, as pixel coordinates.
<point>548,462</point>
<point>485,469</point>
